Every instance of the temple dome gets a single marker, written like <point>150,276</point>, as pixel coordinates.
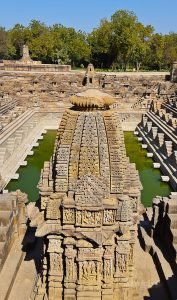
<point>92,98</point>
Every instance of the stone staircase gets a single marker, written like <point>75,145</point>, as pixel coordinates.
<point>158,131</point>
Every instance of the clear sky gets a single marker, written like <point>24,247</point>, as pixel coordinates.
<point>86,14</point>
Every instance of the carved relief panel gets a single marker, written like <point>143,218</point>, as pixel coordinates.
<point>86,218</point>
<point>109,217</point>
<point>68,216</point>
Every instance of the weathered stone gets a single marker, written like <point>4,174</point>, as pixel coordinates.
<point>93,234</point>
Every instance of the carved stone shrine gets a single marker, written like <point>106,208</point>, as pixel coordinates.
<point>90,197</point>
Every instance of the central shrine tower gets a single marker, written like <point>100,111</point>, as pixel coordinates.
<point>90,197</point>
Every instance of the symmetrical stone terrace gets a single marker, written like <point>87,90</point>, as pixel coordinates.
<point>90,193</point>
<point>158,130</point>
<point>49,91</point>
<point>90,197</point>
<point>46,89</point>
<point>12,221</point>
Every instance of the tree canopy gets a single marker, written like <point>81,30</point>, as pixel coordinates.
<point>119,43</point>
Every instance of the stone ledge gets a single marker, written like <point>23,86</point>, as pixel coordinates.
<point>10,269</point>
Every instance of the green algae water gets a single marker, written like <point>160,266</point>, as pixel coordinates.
<point>29,175</point>
<point>150,177</point>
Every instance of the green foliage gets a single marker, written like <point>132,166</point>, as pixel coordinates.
<point>99,41</point>
<point>156,51</point>
<point>3,43</point>
<point>124,35</point>
<point>116,43</point>
<point>170,47</point>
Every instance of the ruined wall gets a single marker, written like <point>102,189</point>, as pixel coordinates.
<point>50,91</point>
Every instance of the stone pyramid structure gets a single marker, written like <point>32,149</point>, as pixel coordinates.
<point>90,196</point>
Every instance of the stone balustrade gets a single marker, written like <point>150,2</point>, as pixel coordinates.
<point>158,131</point>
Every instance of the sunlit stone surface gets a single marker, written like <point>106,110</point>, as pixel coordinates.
<point>90,197</point>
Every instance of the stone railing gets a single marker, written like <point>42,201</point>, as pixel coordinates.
<point>157,131</point>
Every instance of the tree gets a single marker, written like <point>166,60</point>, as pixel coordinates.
<point>3,43</point>
<point>170,48</point>
<point>77,46</point>
<point>141,45</point>
<point>117,42</point>
<point>70,46</point>
<point>155,56</point>
<point>16,40</point>
<point>124,36</point>
<point>99,41</point>
<point>37,28</point>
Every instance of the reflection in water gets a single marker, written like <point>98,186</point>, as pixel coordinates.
<point>30,175</point>
<point>150,178</point>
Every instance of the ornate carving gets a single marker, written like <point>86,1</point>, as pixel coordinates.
<point>62,170</point>
<point>61,185</point>
<point>63,154</point>
<point>88,218</point>
<point>91,190</point>
<point>88,272</point>
<point>108,270</point>
<point>134,203</point>
<point>109,216</point>
<point>68,216</point>
<point>92,176</point>
<point>54,245</point>
<point>53,211</point>
<point>56,264</point>
<point>121,261</point>
<point>70,269</point>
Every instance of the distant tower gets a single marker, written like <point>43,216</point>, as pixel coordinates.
<point>90,75</point>
<point>174,72</point>
<point>26,56</point>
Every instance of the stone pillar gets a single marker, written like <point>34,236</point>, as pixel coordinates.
<point>22,213</point>
<point>169,147</point>
<point>154,132</point>
<point>42,284</point>
<point>108,270</point>
<point>55,278</point>
<point>144,120</point>
<point>133,233</point>
<point>70,270</point>
<point>160,139</point>
<point>149,126</point>
<point>174,72</point>
<point>121,276</point>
